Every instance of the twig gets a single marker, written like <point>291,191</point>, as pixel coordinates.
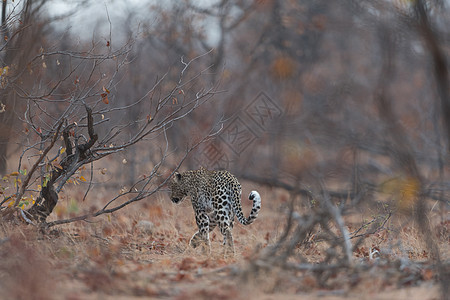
<point>36,164</point>
<point>142,194</point>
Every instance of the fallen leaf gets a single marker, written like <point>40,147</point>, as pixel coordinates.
<point>427,274</point>
<point>187,264</point>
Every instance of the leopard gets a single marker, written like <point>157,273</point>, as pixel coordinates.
<point>216,199</point>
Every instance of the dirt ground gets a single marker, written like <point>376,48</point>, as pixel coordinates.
<point>141,252</point>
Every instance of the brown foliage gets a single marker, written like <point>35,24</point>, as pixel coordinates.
<point>25,270</point>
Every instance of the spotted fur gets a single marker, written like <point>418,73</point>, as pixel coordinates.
<point>216,199</point>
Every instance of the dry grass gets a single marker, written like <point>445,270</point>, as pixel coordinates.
<point>122,256</point>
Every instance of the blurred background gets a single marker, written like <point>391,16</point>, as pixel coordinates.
<point>338,112</point>
<point>347,92</point>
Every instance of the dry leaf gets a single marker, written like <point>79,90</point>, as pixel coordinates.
<point>105,98</point>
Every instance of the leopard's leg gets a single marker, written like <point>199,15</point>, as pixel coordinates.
<point>197,239</point>
<point>225,225</point>
<point>212,225</point>
<point>201,237</point>
<point>227,241</point>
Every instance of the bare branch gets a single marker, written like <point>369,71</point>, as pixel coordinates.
<point>36,164</point>
<point>141,193</point>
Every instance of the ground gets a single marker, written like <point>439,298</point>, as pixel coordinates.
<point>142,252</point>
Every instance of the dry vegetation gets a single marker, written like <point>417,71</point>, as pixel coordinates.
<point>337,112</point>
<point>143,252</point>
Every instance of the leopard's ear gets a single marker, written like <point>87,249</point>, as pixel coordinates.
<point>177,177</point>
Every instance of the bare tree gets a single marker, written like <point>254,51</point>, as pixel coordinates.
<point>18,34</point>
<point>25,28</point>
<point>79,109</point>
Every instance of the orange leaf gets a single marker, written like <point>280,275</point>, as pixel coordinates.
<point>283,67</point>
<point>427,274</point>
<point>105,98</point>
<point>105,90</point>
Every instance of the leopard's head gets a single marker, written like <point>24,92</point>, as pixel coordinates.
<point>177,189</point>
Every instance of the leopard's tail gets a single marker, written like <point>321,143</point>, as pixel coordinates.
<point>256,198</point>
